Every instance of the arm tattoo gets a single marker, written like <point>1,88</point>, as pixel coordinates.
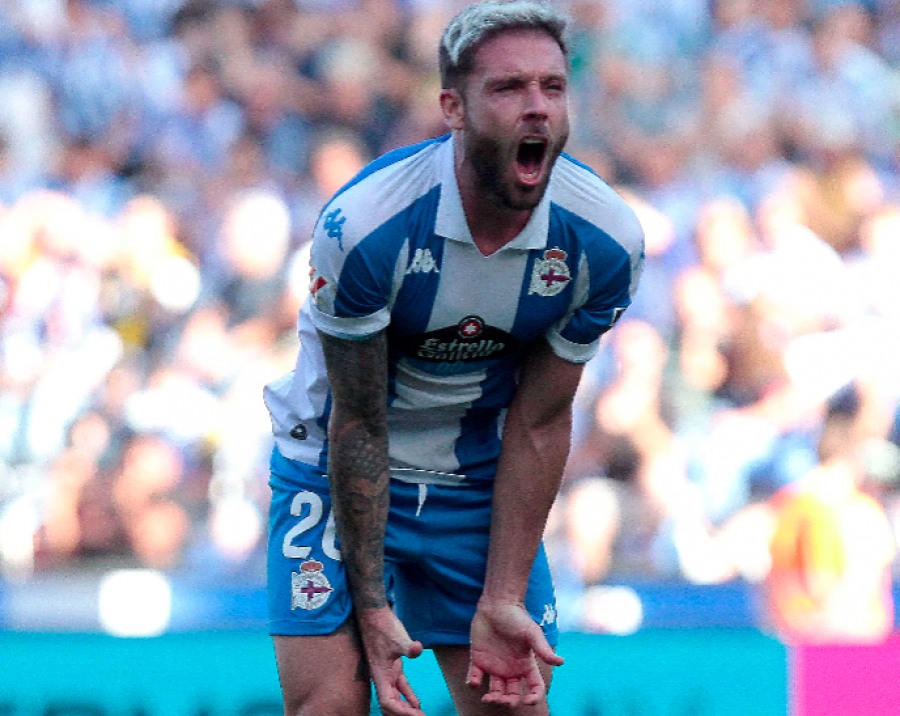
<point>358,459</point>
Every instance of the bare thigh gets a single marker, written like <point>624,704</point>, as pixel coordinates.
<point>323,674</point>
<point>454,663</point>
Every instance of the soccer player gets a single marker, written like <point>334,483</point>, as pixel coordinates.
<point>457,288</point>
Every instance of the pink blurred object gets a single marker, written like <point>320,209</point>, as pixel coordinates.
<point>846,680</point>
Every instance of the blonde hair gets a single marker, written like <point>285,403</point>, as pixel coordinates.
<point>482,21</point>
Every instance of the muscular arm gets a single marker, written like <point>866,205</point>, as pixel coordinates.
<point>358,459</point>
<point>536,440</point>
<point>505,640</point>
<point>359,475</point>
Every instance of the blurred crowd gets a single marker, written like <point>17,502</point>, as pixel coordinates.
<point>162,163</point>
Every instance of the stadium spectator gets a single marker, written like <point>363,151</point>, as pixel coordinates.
<point>831,544</point>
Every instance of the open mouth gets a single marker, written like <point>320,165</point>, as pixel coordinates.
<point>530,159</point>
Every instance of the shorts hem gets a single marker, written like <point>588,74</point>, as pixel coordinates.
<point>292,628</point>
<point>431,639</point>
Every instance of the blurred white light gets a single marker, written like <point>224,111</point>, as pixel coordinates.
<point>820,364</point>
<point>612,610</point>
<point>38,287</point>
<point>236,526</point>
<point>258,229</point>
<point>175,283</point>
<point>135,603</point>
<point>264,216</point>
<point>23,358</point>
<point>18,523</point>
<point>177,405</point>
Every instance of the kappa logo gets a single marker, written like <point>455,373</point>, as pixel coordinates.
<point>334,227</point>
<point>549,615</point>
<point>423,262</point>
<point>551,274</point>
<point>310,588</point>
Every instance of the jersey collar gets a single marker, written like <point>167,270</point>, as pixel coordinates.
<point>451,219</point>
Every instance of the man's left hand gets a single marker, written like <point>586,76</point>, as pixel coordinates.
<point>506,644</point>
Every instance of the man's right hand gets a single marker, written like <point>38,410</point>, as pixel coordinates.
<point>386,641</point>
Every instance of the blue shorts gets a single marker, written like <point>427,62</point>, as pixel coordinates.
<point>435,553</point>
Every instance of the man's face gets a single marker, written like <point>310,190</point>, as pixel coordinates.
<point>516,115</point>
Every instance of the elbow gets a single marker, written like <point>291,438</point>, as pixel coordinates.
<point>550,432</point>
<point>346,425</point>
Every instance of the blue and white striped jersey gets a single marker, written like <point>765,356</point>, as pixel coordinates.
<point>392,250</point>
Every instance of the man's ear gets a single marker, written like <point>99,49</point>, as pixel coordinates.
<point>454,109</point>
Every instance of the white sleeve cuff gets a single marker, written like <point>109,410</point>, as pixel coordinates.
<point>572,352</point>
<point>350,327</point>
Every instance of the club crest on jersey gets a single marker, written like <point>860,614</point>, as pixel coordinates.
<point>550,274</point>
<point>310,588</point>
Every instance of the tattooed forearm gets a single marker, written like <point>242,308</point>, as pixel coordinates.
<point>359,486</point>
<point>358,459</point>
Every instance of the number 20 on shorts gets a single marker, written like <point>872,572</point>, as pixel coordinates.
<point>312,518</point>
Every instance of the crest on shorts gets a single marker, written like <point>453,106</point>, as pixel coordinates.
<point>310,588</point>
<point>550,274</point>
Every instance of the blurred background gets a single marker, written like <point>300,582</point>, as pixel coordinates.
<point>736,460</point>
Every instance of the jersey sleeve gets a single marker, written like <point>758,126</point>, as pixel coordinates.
<point>607,280</point>
<point>353,273</point>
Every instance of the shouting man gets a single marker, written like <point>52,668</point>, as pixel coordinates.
<point>458,286</point>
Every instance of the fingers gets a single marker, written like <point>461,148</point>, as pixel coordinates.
<point>395,695</point>
<point>406,691</point>
<point>526,687</point>
<point>506,645</point>
<point>543,651</point>
<point>535,688</point>
<point>396,706</point>
<point>501,691</point>
<point>475,676</point>
<point>509,692</point>
<point>413,650</point>
<point>386,642</point>
<point>399,699</point>
<point>548,656</point>
<point>496,693</point>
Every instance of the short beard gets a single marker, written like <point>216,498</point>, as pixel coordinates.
<point>486,156</point>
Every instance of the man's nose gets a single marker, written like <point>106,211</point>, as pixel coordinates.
<point>536,104</point>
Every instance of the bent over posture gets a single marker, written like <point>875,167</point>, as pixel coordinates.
<point>458,285</point>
